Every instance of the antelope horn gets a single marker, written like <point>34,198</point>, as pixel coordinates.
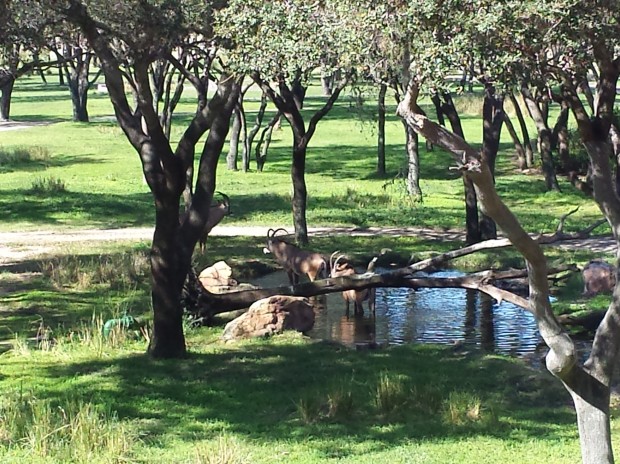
<point>337,261</point>
<point>225,197</point>
<point>331,259</point>
<point>269,233</point>
<point>278,230</point>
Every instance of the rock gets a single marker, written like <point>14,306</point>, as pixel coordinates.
<point>271,316</point>
<point>598,277</point>
<point>215,277</point>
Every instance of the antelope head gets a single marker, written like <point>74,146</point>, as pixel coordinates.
<point>271,239</point>
<point>224,202</point>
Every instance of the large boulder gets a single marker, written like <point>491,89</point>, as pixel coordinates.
<point>598,277</point>
<point>271,316</point>
<point>217,278</point>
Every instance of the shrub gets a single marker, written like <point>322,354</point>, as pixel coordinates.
<point>19,156</point>
<point>47,185</point>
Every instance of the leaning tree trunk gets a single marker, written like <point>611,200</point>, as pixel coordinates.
<point>381,131</point>
<point>590,382</point>
<point>521,159</point>
<point>527,143</point>
<point>262,146</point>
<point>251,134</point>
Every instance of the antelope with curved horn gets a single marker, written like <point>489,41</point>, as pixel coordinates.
<point>295,261</point>
<point>343,269</point>
<point>217,212</point>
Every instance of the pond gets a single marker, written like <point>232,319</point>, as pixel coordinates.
<point>443,316</point>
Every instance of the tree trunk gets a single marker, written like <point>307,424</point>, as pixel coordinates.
<point>472,225</point>
<point>327,82</point>
<point>262,147</point>
<point>493,118</point>
<point>169,265</point>
<point>381,131</point>
<point>245,152</point>
<point>527,143</point>
<point>77,72</point>
<point>233,150</point>
<point>300,193</point>
<point>521,159</point>
<point>592,407</point>
<point>413,163</point>
<point>5,99</point>
<point>588,384</point>
<point>544,135</point>
<point>251,135</point>
<point>614,136</point>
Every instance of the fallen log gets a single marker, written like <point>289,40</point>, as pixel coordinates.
<point>211,304</point>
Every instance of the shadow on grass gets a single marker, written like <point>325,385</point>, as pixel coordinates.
<point>102,210</point>
<point>252,391</point>
<point>52,162</point>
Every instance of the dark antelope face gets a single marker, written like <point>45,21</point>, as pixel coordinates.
<point>272,241</point>
<point>224,202</point>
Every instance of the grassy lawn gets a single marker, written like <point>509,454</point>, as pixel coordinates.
<point>71,396</point>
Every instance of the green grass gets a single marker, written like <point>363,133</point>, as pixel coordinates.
<point>101,173</point>
<point>404,404</point>
<point>70,395</point>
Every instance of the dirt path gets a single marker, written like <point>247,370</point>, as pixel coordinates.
<point>17,125</point>
<point>19,246</point>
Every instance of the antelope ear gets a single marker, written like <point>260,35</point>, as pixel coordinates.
<point>266,250</point>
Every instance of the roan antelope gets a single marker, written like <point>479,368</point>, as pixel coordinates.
<point>339,267</point>
<point>295,261</point>
<point>217,212</point>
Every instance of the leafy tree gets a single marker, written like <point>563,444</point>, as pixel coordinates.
<point>557,42</point>
<point>75,60</point>
<point>21,42</point>
<point>139,33</point>
<point>279,44</point>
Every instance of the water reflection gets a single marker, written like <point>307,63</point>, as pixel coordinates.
<point>444,316</point>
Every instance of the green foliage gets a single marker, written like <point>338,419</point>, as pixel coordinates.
<point>287,37</point>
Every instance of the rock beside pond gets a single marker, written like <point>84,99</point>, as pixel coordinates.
<point>216,278</point>
<point>598,277</point>
<point>271,316</point>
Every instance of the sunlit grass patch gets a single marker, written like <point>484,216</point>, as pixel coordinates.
<point>390,394</point>
<point>23,155</point>
<point>224,450</point>
<point>62,431</point>
<point>120,271</point>
<point>462,408</point>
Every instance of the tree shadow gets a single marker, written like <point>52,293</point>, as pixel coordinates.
<point>97,209</point>
<point>253,390</point>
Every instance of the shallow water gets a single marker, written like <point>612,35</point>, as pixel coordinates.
<point>443,316</point>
